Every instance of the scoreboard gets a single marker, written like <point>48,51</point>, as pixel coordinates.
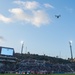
<point>6,51</point>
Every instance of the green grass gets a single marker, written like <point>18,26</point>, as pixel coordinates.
<point>63,74</point>
<point>37,74</point>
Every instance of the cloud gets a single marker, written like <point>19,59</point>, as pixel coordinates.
<point>28,5</point>
<point>2,39</point>
<point>40,18</point>
<point>19,14</point>
<point>48,5</point>
<point>5,19</point>
<point>28,12</point>
<point>37,18</point>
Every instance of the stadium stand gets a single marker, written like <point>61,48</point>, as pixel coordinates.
<point>43,67</point>
<point>7,60</point>
<point>11,64</point>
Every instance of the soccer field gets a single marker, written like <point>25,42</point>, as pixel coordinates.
<point>37,74</point>
<point>62,74</point>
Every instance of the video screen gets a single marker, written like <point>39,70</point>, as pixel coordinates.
<point>7,51</point>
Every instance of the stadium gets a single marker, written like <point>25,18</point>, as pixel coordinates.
<point>16,63</point>
<point>36,37</point>
<point>7,60</point>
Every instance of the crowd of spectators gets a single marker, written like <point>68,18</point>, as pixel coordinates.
<point>32,66</point>
<point>43,67</point>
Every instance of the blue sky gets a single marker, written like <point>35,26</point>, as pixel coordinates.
<point>34,22</point>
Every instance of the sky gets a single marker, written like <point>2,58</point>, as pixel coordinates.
<point>33,22</point>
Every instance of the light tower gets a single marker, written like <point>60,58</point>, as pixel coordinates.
<point>22,46</point>
<point>70,43</point>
